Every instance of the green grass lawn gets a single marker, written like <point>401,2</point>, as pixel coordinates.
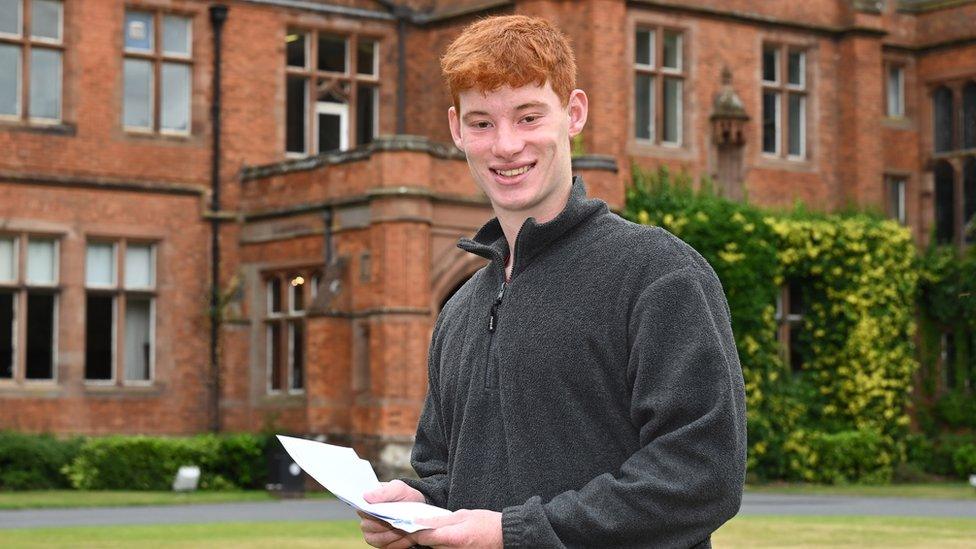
<point>50,499</point>
<point>941,490</point>
<point>751,531</point>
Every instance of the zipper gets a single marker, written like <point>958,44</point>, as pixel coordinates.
<point>491,373</point>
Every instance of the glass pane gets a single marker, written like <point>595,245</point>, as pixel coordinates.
<point>175,100</point>
<point>672,50</point>
<point>365,114</point>
<point>797,108</point>
<point>138,31</point>
<point>644,48</point>
<point>139,266</point>
<point>138,342</point>
<point>10,17</point>
<point>672,110</point>
<point>295,49</point>
<point>895,92</point>
<point>99,333</point>
<point>274,295</point>
<point>9,79</point>
<point>969,197</point>
<point>330,132</point>
<point>297,289</point>
<point>138,94</point>
<point>41,262</point>
<point>8,259</point>
<point>942,109</point>
<point>296,115</point>
<point>45,85</point>
<point>366,57</point>
<point>969,118</point>
<point>7,331</point>
<point>46,19</point>
<point>795,68</point>
<point>176,35</point>
<point>332,53</point>
<point>297,358</point>
<point>944,199</point>
<point>770,60</point>
<point>770,137</point>
<point>40,336</point>
<point>100,264</point>
<point>644,107</point>
<point>274,356</point>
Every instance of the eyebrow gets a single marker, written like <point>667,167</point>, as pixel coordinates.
<point>524,106</point>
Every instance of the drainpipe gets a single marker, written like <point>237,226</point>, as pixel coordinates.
<point>218,14</point>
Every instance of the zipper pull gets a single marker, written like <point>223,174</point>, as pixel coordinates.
<point>493,316</point>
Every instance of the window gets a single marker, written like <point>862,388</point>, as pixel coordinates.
<point>31,53</point>
<point>659,86</point>
<point>332,91</point>
<point>790,310</point>
<point>942,110</point>
<point>117,291</point>
<point>969,116</point>
<point>28,307</point>
<point>287,297</point>
<point>969,201</point>
<point>157,70</point>
<point>895,190</point>
<point>784,102</point>
<point>895,106</point>
<point>944,202</point>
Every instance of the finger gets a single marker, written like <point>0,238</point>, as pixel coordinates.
<point>384,539</point>
<point>440,522</point>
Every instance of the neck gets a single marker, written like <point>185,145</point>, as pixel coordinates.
<point>511,222</point>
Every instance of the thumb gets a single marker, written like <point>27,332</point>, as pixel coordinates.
<point>386,491</point>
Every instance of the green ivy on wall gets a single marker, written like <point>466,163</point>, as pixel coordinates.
<point>858,275</point>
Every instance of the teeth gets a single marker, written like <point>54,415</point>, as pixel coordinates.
<point>517,171</point>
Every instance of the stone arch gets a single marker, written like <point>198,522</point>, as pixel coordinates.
<point>450,274</point>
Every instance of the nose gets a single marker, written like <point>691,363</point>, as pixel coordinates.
<point>508,143</point>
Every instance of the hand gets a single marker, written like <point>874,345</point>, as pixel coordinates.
<point>464,528</point>
<point>378,533</point>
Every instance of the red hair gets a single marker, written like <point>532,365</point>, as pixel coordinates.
<point>512,50</point>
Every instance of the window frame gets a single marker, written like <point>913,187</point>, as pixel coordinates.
<point>659,72</point>
<point>891,112</point>
<point>26,43</point>
<point>284,322</point>
<point>350,79</point>
<point>784,90</point>
<point>899,211</point>
<point>157,57</point>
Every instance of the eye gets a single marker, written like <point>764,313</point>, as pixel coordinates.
<point>481,124</point>
<point>531,118</point>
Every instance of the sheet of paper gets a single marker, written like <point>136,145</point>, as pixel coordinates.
<point>341,471</point>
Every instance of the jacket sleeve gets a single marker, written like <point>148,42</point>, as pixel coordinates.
<point>688,404</point>
<point>429,456</point>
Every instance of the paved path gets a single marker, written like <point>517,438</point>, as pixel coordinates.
<point>327,509</point>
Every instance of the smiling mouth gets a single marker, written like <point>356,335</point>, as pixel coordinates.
<point>513,172</point>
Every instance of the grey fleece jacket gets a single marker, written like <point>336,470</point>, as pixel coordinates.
<point>596,399</point>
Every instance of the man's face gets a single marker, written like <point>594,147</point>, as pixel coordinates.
<point>517,141</point>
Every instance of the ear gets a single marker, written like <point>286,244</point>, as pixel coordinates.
<point>577,107</point>
<point>455,122</point>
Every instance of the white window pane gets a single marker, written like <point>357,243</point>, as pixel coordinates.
<point>672,110</point>
<point>100,264</point>
<point>176,35</point>
<point>672,50</point>
<point>45,85</point>
<point>138,31</point>
<point>10,17</point>
<point>797,104</point>
<point>175,101</point>
<point>46,19</point>
<point>137,107</point>
<point>895,92</point>
<point>139,266</point>
<point>41,257</point>
<point>644,107</point>
<point>644,50</point>
<point>8,259</point>
<point>138,341</point>
<point>795,68</point>
<point>770,117</point>
<point>9,79</point>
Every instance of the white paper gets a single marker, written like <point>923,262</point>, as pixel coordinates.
<point>341,471</point>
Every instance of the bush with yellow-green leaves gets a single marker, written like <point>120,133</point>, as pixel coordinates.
<point>841,415</point>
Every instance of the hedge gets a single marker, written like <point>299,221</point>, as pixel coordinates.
<point>859,276</point>
<point>34,462</point>
<point>150,463</point>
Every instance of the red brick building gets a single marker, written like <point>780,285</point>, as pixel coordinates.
<point>337,198</point>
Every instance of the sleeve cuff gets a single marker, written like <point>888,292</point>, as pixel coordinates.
<point>513,527</point>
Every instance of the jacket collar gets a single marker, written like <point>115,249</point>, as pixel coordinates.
<point>533,237</point>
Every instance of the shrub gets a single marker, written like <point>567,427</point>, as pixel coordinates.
<point>34,462</point>
<point>150,463</point>
<point>860,456</point>
<point>964,460</point>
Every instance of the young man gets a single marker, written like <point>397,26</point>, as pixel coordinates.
<point>584,386</point>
